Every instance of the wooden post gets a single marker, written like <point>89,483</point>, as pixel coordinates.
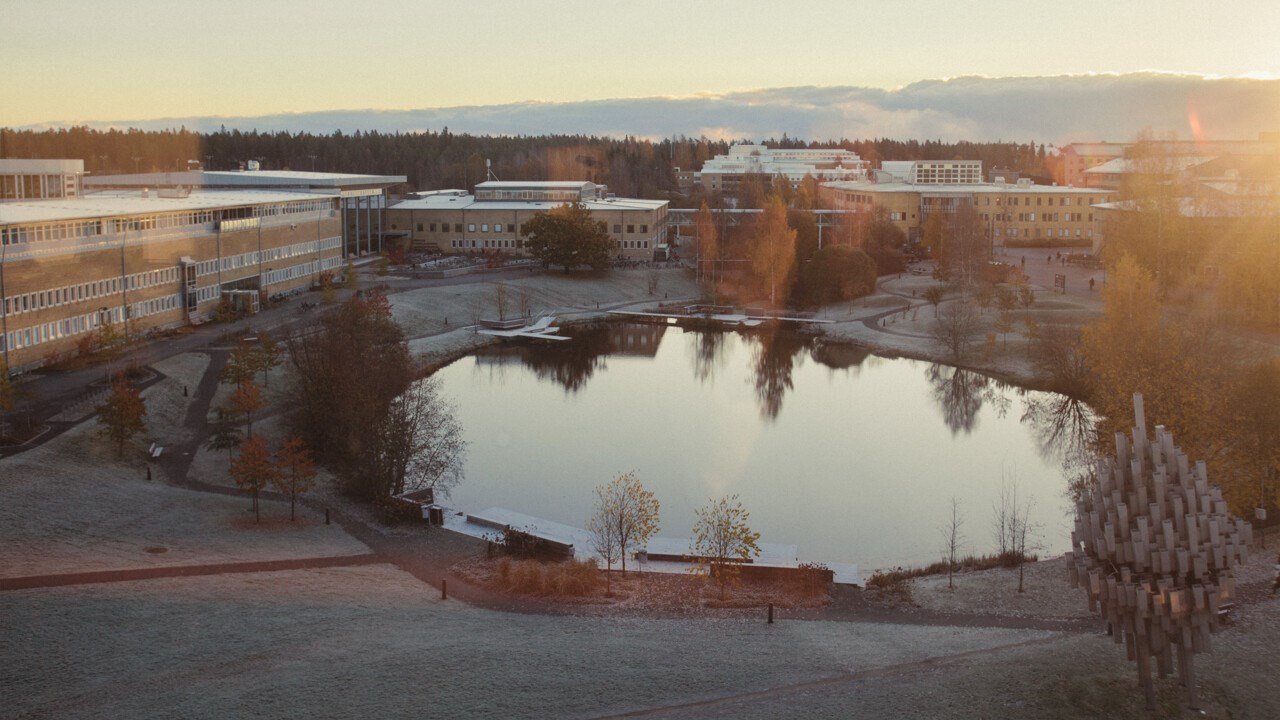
<point>444,589</point>
<point>770,613</point>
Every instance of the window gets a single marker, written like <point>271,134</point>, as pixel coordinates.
<point>617,229</point>
<point>433,227</point>
<point>471,227</point>
<point>483,228</point>
<point>511,228</point>
<point>631,228</point>
<point>644,228</point>
<point>457,227</point>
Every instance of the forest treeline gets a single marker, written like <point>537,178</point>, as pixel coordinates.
<point>630,166</point>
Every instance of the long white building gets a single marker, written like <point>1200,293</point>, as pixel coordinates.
<point>724,173</point>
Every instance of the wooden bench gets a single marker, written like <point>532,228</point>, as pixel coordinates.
<point>155,451</point>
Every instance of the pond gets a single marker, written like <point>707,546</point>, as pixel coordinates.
<point>852,457</point>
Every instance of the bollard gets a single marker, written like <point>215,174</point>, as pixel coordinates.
<point>444,589</point>
<point>148,473</point>
<point>770,613</point>
<point>326,516</point>
<point>184,391</point>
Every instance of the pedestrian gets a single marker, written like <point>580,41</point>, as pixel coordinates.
<point>1275,584</point>
<point>1048,259</point>
<point>1090,284</point>
<point>1024,261</point>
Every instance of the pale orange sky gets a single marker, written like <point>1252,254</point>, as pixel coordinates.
<point>69,60</point>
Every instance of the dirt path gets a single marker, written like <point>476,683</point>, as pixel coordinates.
<point>111,576</point>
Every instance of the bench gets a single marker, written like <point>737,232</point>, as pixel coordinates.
<point>1225,610</point>
<point>155,451</point>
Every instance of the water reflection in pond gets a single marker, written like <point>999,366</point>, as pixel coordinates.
<point>848,455</point>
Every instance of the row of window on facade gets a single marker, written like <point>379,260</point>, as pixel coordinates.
<point>55,297</point>
<point>235,262</point>
<point>45,232</point>
<point>518,244</point>
<point>86,322</point>
<point>510,228</point>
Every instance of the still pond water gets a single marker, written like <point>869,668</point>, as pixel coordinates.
<point>849,456</point>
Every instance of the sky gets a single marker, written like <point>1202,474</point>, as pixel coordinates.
<point>69,61</point>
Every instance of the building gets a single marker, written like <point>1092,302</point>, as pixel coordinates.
<point>723,174</point>
<point>1018,213</point>
<point>1104,165</point>
<point>492,221</point>
<point>930,172</point>
<point>144,259</point>
<point>39,179</point>
<point>362,197</point>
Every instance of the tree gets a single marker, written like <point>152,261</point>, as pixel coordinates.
<point>774,250</point>
<point>631,513</point>
<point>882,240</point>
<point>500,299</point>
<point>416,444</point>
<point>952,539</point>
<point>568,236</point>
<point>837,272</point>
<point>246,400</point>
<point>708,249</point>
<point>934,294</point>
<point>295,472</point>
<point>253,470</point>
<point>603,538</point>
<point>965,248</point>
<point>224,432</point>
<point>1014,532</point>
<point>268,356</point>
<point>7,399</point>
<point>339,419</point>
<point>121,416</point>
<point>242,365</point>
<point>350,280</point>
<point>956,327</point>
<point>722,540</point>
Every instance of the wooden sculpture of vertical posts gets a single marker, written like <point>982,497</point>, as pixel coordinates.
<point>1154,547</point>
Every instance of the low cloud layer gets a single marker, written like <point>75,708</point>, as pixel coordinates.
<point>1057,110</point>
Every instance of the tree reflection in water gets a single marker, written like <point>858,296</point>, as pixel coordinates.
<point>775,356</point>
<point>1063,428</point>
<point>571,364</point>
<point>708,348</point>
<point>962,393</point>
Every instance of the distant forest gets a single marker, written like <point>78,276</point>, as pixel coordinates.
<point>631,167</point>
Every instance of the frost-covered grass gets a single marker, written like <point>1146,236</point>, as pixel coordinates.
<point>71,505</point>
<point>372,641</point>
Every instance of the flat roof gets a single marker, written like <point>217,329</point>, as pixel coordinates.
<point>247,178</point>
<point>972,188</point>
<point>509,184</point>
<point>123,203</point>
<point>467,202</point>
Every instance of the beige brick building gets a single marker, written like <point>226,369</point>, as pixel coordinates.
<point>452,221</point>
<point>151,259</point>
<point>1014,214</point>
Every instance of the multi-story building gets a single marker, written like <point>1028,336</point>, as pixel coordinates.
<point>1017,213</point>
<point>1104,165</point>
<point>492,220</point>
<point>724,174</point>
<point>930,172</point>
<point>39,179</point>
<point>143,259</point>
<point>362,197</point>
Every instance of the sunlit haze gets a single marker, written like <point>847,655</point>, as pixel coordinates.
<point>71,60</point>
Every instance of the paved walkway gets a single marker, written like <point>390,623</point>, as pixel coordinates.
<point>111,576</point>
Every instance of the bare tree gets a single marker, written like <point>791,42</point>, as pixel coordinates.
<point>953,539</point>
<point>957,325</point>
<point>418,443</point>
<point>603,538</point>
<point>500,299</point>
<point>526,302</point>
<point>651,281</point>
<point>1014,532</point>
